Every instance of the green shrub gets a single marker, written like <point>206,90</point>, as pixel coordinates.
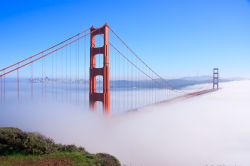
<point>15,141</point>
<point>107,160</point>
<point>70,148</point>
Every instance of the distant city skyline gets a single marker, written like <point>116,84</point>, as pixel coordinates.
<point>176,38</point>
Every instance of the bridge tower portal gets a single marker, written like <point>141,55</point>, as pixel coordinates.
<point>216,78</point>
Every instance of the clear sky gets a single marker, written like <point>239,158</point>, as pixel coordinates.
<point>175,37</point>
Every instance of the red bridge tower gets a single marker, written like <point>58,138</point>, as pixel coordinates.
<point>103,96</point>
<point>216,78</point>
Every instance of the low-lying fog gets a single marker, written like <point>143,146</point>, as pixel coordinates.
<point>213,129</point>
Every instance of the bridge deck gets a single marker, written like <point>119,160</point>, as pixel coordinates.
<point>188,95</point>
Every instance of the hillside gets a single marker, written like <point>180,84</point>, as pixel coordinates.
<point>29,149</point>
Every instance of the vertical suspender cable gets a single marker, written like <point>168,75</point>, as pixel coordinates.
<point>70,74</point>
<point>1,89</point>
<point>56,77</point>
<point>85,68</point>
<point>74,76</point>
<point>31,81</point>
<point>77,74</point>
<point>62,76</point>
<point>66,89</point>
<point>45,77</point>
<point>52,77</point>
<point>18,83</point>
<point>42,79</point>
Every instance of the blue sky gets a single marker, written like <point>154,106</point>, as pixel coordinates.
<point>175,37</point>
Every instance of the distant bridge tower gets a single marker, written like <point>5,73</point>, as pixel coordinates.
<point>216,78</point>
<point>103,96</point>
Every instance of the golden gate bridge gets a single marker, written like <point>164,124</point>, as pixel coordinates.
<point>94,67</point>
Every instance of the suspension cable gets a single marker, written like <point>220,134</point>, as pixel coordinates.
<point>126,58</point>
<point>54,46</point>
<point>43,56</point>
<point>133,52</point>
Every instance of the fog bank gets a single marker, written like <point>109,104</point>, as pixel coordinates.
<point>213,129</point>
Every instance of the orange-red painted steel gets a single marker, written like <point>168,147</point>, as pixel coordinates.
<point>94,96</point>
